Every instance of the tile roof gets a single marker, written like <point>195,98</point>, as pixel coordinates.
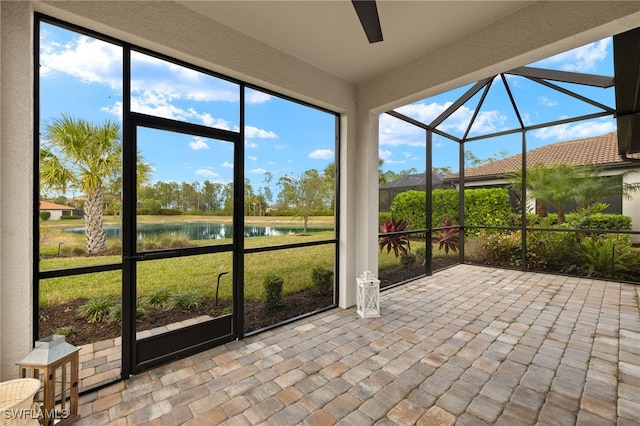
<point>599,150</point>
<point>46,205</point>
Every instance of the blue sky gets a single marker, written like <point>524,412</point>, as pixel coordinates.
<point>81,76</point>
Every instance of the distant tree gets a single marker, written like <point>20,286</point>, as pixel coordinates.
<point>304,194</point>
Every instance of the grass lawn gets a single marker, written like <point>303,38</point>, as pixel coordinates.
<point>198,273</point>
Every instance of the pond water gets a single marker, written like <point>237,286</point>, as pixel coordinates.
<point>205,231</point>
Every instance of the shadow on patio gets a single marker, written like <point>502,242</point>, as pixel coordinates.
<point>468,345</point>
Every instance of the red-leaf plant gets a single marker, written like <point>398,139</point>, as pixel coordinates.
<point>396,243</point>
<point>447,238</point>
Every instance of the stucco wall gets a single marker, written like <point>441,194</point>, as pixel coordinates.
<point>16,173</point>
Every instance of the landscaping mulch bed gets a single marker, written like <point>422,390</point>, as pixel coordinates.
<point>256,314</point>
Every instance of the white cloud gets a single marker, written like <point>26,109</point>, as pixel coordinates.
<point>250,144</point>
<point>255,97</point>
<point>90,60</point>
<point>227,165</point>
<point>252,157</point>
<point>198,143</point>
<point>280,147</point>
<point>395,132</point>
<point>258,171</point>
<point>582,59</point>
<point>546,101</point>
<point>251,132</point>
<point>385,154</point>
<point>321,154</point>
<point>584,129</point>
<point>208,173</point>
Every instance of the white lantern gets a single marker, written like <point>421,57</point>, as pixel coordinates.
<point>368,296</point>
<point>55,363</point>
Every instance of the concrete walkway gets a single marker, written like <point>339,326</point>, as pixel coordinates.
<point>469,346</point>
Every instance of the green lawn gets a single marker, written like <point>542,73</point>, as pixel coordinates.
<point>197,273</point>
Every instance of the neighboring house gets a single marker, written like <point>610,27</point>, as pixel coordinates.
<point>56,210</point>
<point>601,151</point>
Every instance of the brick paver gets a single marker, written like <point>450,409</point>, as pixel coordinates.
<point>469,345</point>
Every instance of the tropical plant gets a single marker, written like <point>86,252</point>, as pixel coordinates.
<point>84,156</point>
<point>558,185</point>
<point>81,155</point>
<point>398,243</point>
<point>447,239</point>
<point>602,256</point>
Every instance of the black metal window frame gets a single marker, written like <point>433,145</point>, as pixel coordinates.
<point>157,122</point>
<point>539,76</point>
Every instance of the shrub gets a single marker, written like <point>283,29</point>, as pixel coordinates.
<point>273,290</point>
<point>97,308</point>
<point>69,217</point>
<point>500,249</point>
<point>410,205</point>
<point>45,215</point>
<point>322,280</point>
<point>65,331</point>
<point>115,314</point>
<point>158,297</point>
<point>187,299</point>
<point>407,259</point>
<point>548,248</point>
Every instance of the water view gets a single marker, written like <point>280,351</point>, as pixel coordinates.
<point>205,231</point>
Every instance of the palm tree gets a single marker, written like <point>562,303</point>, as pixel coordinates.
<point>81,155</point>
<point>558,185</point>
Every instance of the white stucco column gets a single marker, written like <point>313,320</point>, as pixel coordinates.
<point>367,194</point>
<point>16,178</point>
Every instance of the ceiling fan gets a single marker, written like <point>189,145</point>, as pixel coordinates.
<point>367,11</point>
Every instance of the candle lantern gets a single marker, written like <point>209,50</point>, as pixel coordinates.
<point>368,296</point>
<point>56,364</point>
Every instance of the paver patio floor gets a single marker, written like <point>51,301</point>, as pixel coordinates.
<point>469,346</point>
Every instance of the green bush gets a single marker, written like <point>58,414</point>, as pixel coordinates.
<point>548,248</point>
<point>273,290</point>
<point>322,280</point>
<point>45,215</point>
<point>407,259</point>
<point>483,207</point>
<point>486,207</point>
<point>69,217</point>
<point>65,331</point>
<point>187,299</point>
<point>115,313</point>
<point>411,205</point>
<point>158,297</point>
<point>97,308</point>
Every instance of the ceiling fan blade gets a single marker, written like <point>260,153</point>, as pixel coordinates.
<point>368,14</point>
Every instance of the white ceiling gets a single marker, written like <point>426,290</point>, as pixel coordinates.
<point>328,35</point>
